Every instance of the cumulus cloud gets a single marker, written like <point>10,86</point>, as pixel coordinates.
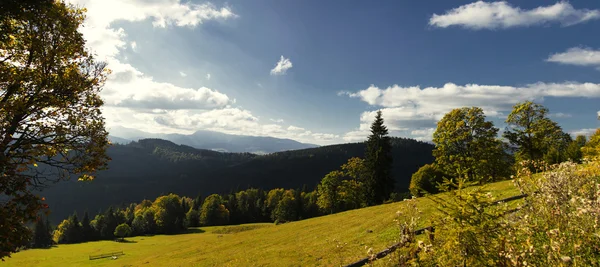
<point>128,87</point>
<point>133,46</point>
<point>425,134</point>
<point>406,109</point>
<point>136,100</point>
<point>107,41</point>
<point>295,129</point>
<point>277,120</point>
<point>282,66</point>
<point>182,74</point>
<point>502,15</point>
<point>577,56</point>
<point>452,95</point>
<point>585,132</point>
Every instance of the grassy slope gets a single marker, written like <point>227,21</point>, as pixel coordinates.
<point>304,243</point>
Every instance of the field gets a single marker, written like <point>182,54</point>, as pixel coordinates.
<point>311,242</point>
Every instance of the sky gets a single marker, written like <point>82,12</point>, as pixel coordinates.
<point>317,71</point>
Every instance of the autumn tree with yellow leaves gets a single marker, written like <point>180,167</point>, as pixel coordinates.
<point>51,126</point>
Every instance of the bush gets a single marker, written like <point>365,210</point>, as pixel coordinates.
<point>123,230</point>
<point>426,180</point>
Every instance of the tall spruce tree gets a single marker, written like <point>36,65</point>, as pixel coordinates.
<point>87,232</point>
<point>379,182</point>
<point>49,232</point>
<point>73,233</point>
<point>42,237</point>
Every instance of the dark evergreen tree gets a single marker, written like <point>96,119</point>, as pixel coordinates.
<point>87,232</point>
<point>49,231</point>
<point>109,224</point>
<point>379,182</point>
<point>130,214</point>
<point>197,203</point>
<point>41,237</point>
<point>299,205</point>
<point>74,234</point>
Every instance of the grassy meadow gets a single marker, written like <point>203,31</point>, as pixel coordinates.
<point>323,241</point>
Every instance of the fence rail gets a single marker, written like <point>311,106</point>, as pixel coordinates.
<point>395,246</point>
<point>106,255</point>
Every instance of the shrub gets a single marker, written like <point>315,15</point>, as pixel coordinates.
<point>426,180</point>
<point>557,225</point>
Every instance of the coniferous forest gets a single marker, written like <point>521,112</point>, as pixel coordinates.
<point>152,167</point>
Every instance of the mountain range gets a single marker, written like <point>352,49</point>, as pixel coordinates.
<point>212,141</point>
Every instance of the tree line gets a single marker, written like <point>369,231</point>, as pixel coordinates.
<point>358,183</point>
<point>467,146</point>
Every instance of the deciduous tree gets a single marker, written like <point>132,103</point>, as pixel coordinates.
<point>123,230</point>
<point>426,180</point>
<point>168,214</point>
<point>213,211</point>
<point>51,126</point>
<point>466,146</point>
<point>328,200</point>
<point>532,133</point>
<point>592,148</point>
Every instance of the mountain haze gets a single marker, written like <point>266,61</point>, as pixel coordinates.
<point>213,141</point>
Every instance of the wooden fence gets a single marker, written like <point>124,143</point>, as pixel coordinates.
<point>107,255</point>
<point>393,247</point>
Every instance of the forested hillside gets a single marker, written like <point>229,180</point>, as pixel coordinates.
<point>151,167</point>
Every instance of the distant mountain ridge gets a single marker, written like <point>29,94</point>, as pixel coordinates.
<point>213,141</point>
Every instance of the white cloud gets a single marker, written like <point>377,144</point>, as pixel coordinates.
<point>425,134</point>
<point>584,132</point>
<point>295,129</point>
<point>577,56</point>
<point>409,110</point>
<point>227,120</point>
<point>282,66</point>
<point>133,46</point>
<point>107,41</point>
<point>501,15</point>
<point>128,87</point>
<point>135,100</point>
<point>182,74</point>
<point>277,120</point>
<point>451,95</point>
<point>560,115</point>
<point>356,136</point>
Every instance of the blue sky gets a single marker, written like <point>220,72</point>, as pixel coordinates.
<point>186,66</point>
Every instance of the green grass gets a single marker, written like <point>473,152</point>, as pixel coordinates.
<point>304,243</point>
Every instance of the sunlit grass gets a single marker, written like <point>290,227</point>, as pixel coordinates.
<point>311,242</point>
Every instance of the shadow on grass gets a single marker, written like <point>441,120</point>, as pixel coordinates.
<point>126,241</point>
<point>49,247</point>
<point>193,231</point>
